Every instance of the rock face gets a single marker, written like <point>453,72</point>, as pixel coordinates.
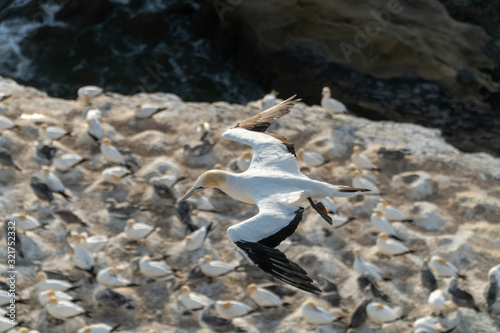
<point>450,195</point>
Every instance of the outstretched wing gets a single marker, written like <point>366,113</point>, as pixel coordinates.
<point>258,236</point>
<point>270,150</point>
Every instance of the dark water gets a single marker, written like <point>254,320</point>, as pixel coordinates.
<point>127,47</point>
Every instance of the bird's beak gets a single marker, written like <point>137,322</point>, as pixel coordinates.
<point>190,193</point>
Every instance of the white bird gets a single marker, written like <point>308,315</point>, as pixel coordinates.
<point>98,328</point>
<point>195,240</point>
<point>203,129</point>
<point>110,153</point>
<point>311,158</point>
<point>439,302</point>
<point>390,247</point>
<point>360,181</point>
<point>64,162</point>
<point>94,128</point>
<point>25,222</point>
<point>428,325</point>
<point>6,123</point>
<point>201,202</point>
<point>232,309</point>
<point>83,257</point>
<point>51,133</point>
<point>444,268</point>
<point>63,309</point>
<point>214,268</point>
<point>154,269</point>
<point>495,270</point>
<point>190,300</point>
<point>110,278</point>
<point>243,161</point>
<point>93,113</point>
<point>44,296</point>
<point>147,110</point>
<point>6,324</point>
<point>273,182</point>
<point>391,213</point>
<point>135,231</point>
<point>262,297</point>
<point>329,205</point>
<point>53,284</point>
<point>268,101</point>
<point>380,314</point>
<point>316,315</point>
<point>365,267</point>
<point>95,243</point>
<point>360,160</point>
<point>330,104</point>
<point>88,93</point>
<point>53,182</point>
<point>115,175</point>
<point>380,224</point>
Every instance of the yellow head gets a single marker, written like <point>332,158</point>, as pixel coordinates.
<point>189,239</point>
<point>87,329</point>
<point>356,251</point>
<point>106,141</point>
<point>226,305</point>
<point>22,216</point>
<point>212,178</point>
<point>46,171</point>
<point>441,261</point>
<point>53,301</point>
<point>247,155</point>
<point>379,306</point>
<point>51,293</point>
<point>310,304</point>
<point>115,177</point>
<point>251,288</point>
<point>185,289</point>
<point>24,330</point>
<point>356,149</point>
<point>41,276</point>
<point>130,222</point>
<point>43,127</point>
<point>207,257</point>
<point>383,236</point>
<point>378,213</point>
<point>326,91</point>
<point>357,174</point>
<point>384,203</point>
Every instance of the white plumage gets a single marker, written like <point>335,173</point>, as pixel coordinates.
<point>380,224</point>
<point>232,309</point>
<point>135,231</point>
<point>115,175</point>
<point>53,284</point>
<point>496,271</point>
<point>25,222</point>
<point>110,153</point>
<point>365,267</point>
<point>263,297</point>
<point>5,297</point>
<point>154,269</point>
<point>439,302</point>
<point>360,160</point>
<point>88,93</point>
<point>97,328</point>
<point>316,315</point>
<point>51,133</point>
<point>442,267</point>
<point>6,324</point>
<point>213,268</point>
<point>63,309</point>
<point>330,104</point>
<point>82,257</point>
<point>51,180</point>
<point>390,247</point>
<point>147,110</point>
<point>380,314</point>
<point>243,161</point>
<point>391,213</point>
<point>190,300</point>
<point>195,240</point>
<point>428,325</point>
<point>45,296</point>
<point>311,158</point>
<point>64,162</point>
<point>94,128</point>
<point>360,181</point>
<point>95,243</point>
<point>110,278</point>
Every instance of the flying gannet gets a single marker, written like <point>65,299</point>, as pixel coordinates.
<point>275,184</point>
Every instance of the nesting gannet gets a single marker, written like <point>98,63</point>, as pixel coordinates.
<point>243,161</point>
<point>54,284</point>
<point>380,314</point>
<point>370,287</point>
<point>44,296</point>
<point>63,309</point>
<point>147,110</point>
<point>428,325</point>
<point>365,267</point>
<point>82,258</point>
<point>491,294</point>
<point>94,128</point>
<point>203,128</point>
<point>122,210</point>
<point>51,133</point>
<point>427,277</point>
<point>154,269</point>
<point>6,123</point>
<point>25,222</point>
<point>268,101</point>
<point>109,277</point>
<point>273,182</point>
<point>110,153</point>
<point>391,213</point>
<point>216,324</point>
<point>316,315</point>
<point>360,160</point>
<point>98,328</point>
<point>444,268</point>
<point>135,231</point>
<point>311,158</point>
<point>390,247</point>
<point>45,152</point>
<point>6,160</point>
<point>439,303</point>
<point>6,324</point>
<point>64,162</point>
<point>496,271</point>
<point>95,243</point>
<point>330,104</point>
<point>115,175</point>
<point>262,297</point>
<point>232,309</point>
<point>163,190</point>
<point>65,214</point>
<point>112,299</point>
<point>214,268</point>
<point>190,300</point>
<point>380,224</point>
<point>41,190</point>
<point>88,93</point>
<point>183,211</point>
<point>359,315</point>
<point>200,149</point>
<point>461,297</point>
<point>53,182</point>
<point>195,240</point>
<point>360,181</point>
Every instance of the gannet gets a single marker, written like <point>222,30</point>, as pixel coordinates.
<point>98,328</point>
<point>163,190</point>
<point>95,243</point>
<point>195,240</point>
<point>359,315</point>
<point>437,301</point>
<point>369,286</point>
<point>331,105</point>
<point>268,101</point>
<point>41,190</point>
<point>94,128</point>
<point>390,247</point>
<point>427,277</point>
<point>203,129</point>
<point>461,297</point>
<point>201,202</point>
<point>6,123</point>
<point>63,309</point>
<point>428,325</point>
<point>25,222</point>
<point>380,224</point>
<point>311,158</point>
<point>45,295</point>
<point>360,160</point>
<point>65,214</point>
<point>135,231</point>
<point>112,299</point>
<point>26,330</point>
<point>88,93</point>
<point>51,133</point>
<point>214,268</point>
<point>190,300</point>
<point>360,181</point>
<point>64,162</point>
<point>491,294</point>
<point>82,258</point>
<point>45,152</point>
<point>273,182</point>
<point>262,297</point>
<point>496,271</point>
<point>115,175</point>
<point>243,161</point>
<point>147,110</point>
<point>6,160</point>
<point>110,153</point>
<point>365,267</point>
<point>53,182</point>
<point>232,309</point>
<point>391,213</point>
<point>380,314</point>
<point>154,269</point>
<point>122,210</point>
<point>444,268</point>
<point>110,278</point>
<point>316,315</point>
<point>54,284</point>
<point>216,324</point>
